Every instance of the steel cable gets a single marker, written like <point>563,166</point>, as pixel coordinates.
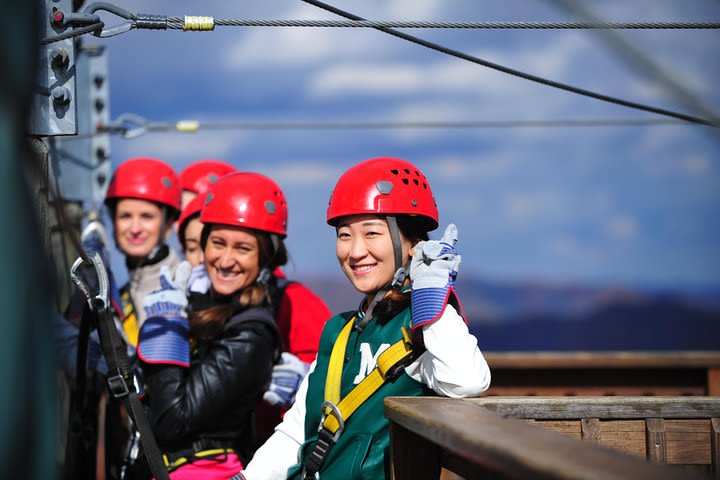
<point>518,73</point>
<point>179,22</point>
<point>73,33</point>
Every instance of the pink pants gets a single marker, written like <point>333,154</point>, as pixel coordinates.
<point>209,469</point>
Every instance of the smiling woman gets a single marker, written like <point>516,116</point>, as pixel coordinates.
<point>203,399</point>
<point>408,337</point>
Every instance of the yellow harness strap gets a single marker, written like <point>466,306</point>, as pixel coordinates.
<point>387,367</point>
<point>171,466</point>
<point>130,325</point>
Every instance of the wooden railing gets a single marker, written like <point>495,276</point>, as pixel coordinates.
<point>623,437</point>
<point>604,373</point>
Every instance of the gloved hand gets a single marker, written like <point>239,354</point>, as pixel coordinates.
<point>199,280</point>
<point>164,336</point>
<point>433,270</point>
<point>286,377</point>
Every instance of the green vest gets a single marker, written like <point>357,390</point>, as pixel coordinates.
<point>362,451</point>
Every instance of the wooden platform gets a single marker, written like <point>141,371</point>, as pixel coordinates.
<point>604,373</point>
<point>580,438</point>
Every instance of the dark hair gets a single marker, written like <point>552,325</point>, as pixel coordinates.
<point>208,323</point>
<point>182,227</point>
<point>413,228</point>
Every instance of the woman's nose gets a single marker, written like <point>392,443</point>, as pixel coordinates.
<point>225,260</point>
<point>135,225</point>
<point>358,249</point>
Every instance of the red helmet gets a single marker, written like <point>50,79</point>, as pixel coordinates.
<point>191,210</point>
<point>383,186</point>
<point>199,176</point>
<point>146,179</point>
<point>246,199</point>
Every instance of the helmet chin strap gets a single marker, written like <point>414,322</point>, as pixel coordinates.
<point>398,278</point>
<point>265,274</point>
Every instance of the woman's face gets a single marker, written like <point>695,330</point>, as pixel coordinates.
<point>138,225</point>
<point>232,258</point>
<point>365,251</point>
<point>193,249</point>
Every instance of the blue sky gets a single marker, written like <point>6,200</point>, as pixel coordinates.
<point>632,205</point>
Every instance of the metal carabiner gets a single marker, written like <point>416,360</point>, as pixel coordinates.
<point>99,301</point>
<point>120,12</point>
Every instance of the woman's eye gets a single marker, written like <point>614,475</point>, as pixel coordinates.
<point>343,235</point>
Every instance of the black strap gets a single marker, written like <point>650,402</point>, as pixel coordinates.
<point>81,440</point>
<point>120,378</point>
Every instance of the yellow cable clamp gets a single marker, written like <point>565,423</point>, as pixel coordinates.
<point>187,126</point>
<point>198,23</point>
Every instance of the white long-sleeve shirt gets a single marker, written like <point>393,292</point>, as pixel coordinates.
<point>452,366</point>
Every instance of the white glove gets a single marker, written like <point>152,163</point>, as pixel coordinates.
<point>433,270</point>
<point>199,280</point>
<point>286,377</point>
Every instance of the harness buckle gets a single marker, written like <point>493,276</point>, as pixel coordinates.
<point>118,386</point>
<point>325,442</point>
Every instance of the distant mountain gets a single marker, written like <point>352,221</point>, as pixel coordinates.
<point>536,315</point>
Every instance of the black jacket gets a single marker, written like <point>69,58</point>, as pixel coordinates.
<point>211,404</point>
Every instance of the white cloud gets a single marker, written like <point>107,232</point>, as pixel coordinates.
<point>622,227</point>
<point>301,173</point>
<point>572,250</point>
<point>178,149</point>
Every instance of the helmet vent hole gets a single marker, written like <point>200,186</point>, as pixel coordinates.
<point>417,174</point>
<point>394,172</point>
<point>416,182</point>
<point>425,185</point>
<point>167,182</point>
<point>405,181</point>
<point>407,171</point>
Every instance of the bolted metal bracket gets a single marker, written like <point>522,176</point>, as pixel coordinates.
<point>53,104</point>
<point>83,162</point>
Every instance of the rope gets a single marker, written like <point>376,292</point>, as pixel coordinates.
<point>73,33</point>
<point>517,73</point>
<point>178,23</point>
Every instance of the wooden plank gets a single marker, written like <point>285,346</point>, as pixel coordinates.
<point>590,429</point>
<point>713,381</point>
<point>513,448</point>
<point>715,445</point>
<point>614,359</point>
<point>627,436</point>
<point>688,442</point>
<point>412,455</point>
<point>593,390</point>
<point>568,427</point>
<point>655,432</point>
<point>558,408</point>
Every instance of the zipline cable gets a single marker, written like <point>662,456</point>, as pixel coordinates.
<point>518,73</point>
<point>204,23</point>
<point>637,59</point>
<point>131,125</point>
<point>184,23</point>
<point>208,23</point>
